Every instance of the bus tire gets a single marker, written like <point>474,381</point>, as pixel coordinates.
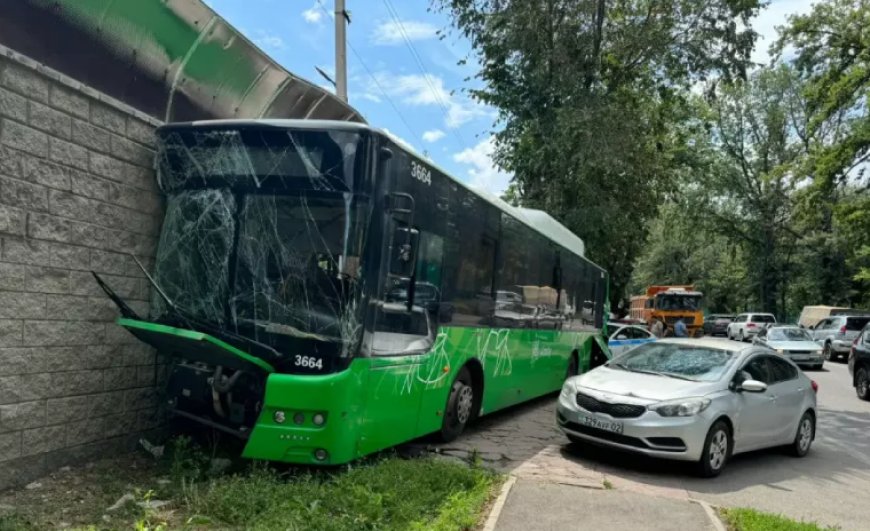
<point>460,405</point>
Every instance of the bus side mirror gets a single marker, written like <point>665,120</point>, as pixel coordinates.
<point>403,251</point>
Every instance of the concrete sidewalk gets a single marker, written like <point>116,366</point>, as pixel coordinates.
<point>532,505</point>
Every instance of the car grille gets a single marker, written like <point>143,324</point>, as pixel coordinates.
<point>619,411</point>
<point>800,352</point>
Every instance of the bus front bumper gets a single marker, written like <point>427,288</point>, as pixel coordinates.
<point>308,419</point>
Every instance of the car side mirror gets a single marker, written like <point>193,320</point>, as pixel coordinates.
<point>753,386</point>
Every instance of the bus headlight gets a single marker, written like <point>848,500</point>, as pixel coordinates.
<point>318,419</point>
<point>279,417</point>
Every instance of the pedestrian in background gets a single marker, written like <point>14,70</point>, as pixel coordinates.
<point>680,328</point>
<point>658,328</point>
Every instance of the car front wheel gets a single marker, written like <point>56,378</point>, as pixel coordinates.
<point>717,450</point>
<point>804,436</point>
<point>862,384</point>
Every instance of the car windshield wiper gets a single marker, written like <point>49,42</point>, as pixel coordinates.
<point>660,373</point>
<point>618,365</point>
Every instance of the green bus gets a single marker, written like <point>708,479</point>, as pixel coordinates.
<point>324,293</point>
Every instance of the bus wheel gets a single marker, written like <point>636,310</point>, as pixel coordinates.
<point>460,404</point>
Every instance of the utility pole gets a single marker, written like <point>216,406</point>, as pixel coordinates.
<point>341,20</point>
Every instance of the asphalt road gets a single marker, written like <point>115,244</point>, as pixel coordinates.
<point>831,485</point>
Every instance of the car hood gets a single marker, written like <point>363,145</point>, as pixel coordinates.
<point>639,388</point>
<point>794,345</point>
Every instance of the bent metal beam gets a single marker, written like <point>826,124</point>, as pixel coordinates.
<point>176,60</point>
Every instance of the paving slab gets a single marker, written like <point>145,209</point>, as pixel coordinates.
<point>533,505</point>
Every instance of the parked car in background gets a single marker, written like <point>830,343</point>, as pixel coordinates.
<point>625,337</point>
<point>717,324</point>
<point>746,325</point>
<point>793,342</point>
<point>859,364</point>
<point>813,315</point>
<point>836,334</point>
<point>699,400</point>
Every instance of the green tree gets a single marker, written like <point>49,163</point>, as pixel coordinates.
<point>683,249</point>
<point>591,96</point>
<point>758,130</point>
<point>831,47</point>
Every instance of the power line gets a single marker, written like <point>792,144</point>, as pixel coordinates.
<point>374,79</point>
<point>426,76</point>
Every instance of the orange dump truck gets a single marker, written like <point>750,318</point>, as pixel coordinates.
<point>670,303</point>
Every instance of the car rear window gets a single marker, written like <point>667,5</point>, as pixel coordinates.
<point>763,319</point>
<point>857,323</point>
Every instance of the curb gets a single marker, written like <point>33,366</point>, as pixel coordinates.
<point>711,514</point>
<point>495,512</point>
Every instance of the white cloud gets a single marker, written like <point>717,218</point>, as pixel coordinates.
<point>313,15</point>
<point>433,136</point>
<point>775,14</point>
<point>390,33</point>
<point>419,90</point>
<point>371,97</point>
<point>482,171</point>
<point>268,40</point>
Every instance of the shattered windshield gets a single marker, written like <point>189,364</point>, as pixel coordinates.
<point>299,266</point>
<point>263,233</point>
<point>257,157</point>
<point>670,359</point>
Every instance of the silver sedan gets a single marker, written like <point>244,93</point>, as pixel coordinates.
<point>700,400</point>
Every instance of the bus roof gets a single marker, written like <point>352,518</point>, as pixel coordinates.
<point>538,220</point>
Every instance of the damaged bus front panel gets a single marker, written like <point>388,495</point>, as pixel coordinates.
<point>260,281</point>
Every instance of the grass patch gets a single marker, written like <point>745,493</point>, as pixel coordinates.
<point>607,485</point>
<point>752,520</point>
<point>387,493</point>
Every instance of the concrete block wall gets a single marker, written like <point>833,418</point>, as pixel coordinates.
<point>77,193</point>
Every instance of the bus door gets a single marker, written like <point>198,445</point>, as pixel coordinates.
<point>402,334</point>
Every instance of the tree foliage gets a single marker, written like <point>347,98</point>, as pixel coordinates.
<point>590,96</point>
<point>786,181</point>
<point>753,188</point>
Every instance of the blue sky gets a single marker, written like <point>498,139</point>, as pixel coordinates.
<point>434,114</point>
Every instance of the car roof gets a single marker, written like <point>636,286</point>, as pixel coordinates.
<point>783,326</point>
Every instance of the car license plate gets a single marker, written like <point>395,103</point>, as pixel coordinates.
<point>601,424</point>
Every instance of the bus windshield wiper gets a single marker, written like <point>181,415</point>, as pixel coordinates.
<point>198,325</point>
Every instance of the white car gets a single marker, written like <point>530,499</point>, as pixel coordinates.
<point>625,337</point>
<point>746,325</point>
<point>699,400</point>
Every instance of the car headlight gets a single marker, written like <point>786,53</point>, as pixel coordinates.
<point>680,408</point>
<point>779,351</point>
